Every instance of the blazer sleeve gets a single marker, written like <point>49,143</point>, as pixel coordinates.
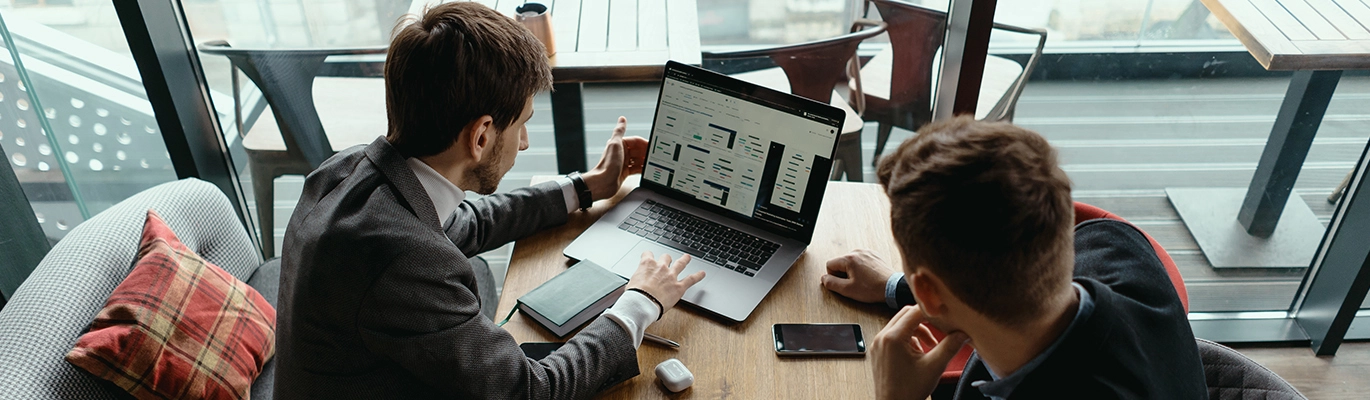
<point>490,222</point>
<point>427,321</point>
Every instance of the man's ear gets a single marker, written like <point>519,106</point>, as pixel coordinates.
<point>477,136</point>
<point>930,292</point>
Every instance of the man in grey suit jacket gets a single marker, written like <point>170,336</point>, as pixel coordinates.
<point>378,297</point>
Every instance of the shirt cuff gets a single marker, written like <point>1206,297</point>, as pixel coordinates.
<point>891,287</point>
<point>568,193</point>
<point>634,312</point>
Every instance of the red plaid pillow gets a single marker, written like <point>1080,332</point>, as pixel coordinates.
<point>178,327</point>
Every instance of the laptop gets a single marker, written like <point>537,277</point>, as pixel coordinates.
<point>734,176</point>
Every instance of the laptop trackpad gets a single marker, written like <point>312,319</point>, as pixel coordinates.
<point>630,261</point>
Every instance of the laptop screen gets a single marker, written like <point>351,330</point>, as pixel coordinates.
<point>756,154</point>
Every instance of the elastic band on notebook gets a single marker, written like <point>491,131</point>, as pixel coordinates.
<point>507,317</point>
<point>654,300</point>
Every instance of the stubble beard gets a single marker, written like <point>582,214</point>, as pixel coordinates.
<point>487,173</point>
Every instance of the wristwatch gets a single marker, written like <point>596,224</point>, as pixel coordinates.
<point>582,190</point>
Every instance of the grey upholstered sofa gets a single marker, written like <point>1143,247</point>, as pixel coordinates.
<point>56,303</point>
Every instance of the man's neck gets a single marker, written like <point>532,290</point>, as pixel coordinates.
<point>450,167</point>
<point>1008,348</point>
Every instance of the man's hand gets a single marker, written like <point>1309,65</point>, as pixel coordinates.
<point>860,275</point>
<point>658,278</point>
<point>623,156</point>
<point>901,366</point>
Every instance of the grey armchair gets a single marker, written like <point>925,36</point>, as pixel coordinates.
<point>62,295</point>
<point>1232,376</point>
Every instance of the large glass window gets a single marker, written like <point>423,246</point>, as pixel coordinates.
<point>75,122</point>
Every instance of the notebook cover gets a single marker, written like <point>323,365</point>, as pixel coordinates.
<point>580,291</point>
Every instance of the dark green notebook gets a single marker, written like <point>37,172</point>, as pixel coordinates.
<point>573,297</point>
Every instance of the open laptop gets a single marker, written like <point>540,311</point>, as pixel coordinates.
<point>735,176</point>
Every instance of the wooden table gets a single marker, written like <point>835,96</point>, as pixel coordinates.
<point>608,41</point>
<point>1317,39</point>
<point>738,360</point>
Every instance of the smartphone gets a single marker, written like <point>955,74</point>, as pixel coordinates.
<point>819,340</point>
<point>539,350</point>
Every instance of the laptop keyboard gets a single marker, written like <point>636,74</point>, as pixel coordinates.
<point>733,249</point>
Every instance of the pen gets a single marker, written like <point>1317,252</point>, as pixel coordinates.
<point>660,340</point>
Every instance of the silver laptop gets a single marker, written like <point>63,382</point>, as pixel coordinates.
<point>735,176</point>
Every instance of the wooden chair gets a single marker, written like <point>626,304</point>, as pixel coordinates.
<point>297,142</point>
<point>813,70</point>
<point>900,81</point>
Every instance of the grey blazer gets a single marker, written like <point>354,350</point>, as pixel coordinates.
<point>377,301</point>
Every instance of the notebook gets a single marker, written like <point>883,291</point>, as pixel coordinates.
<point>573,297</point>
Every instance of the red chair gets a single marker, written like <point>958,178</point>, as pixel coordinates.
<point>1083,212</point>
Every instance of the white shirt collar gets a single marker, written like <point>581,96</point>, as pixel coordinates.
<point>445,195</point>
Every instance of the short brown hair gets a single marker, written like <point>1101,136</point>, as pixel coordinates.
<point>986,208</point>
<point>458,62</point>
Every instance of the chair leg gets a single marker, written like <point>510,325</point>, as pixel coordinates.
<point>849,156</point>
<point>264,191</point>
<point>1341,189</point>
<point>882,136</point>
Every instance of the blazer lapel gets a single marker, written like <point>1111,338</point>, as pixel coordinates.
<point>392,164</point>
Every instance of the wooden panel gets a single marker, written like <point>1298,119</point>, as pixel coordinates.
<point>737,360</point>
<point>623,66</point>
<point>594,26</point>
<point>1312,20</point>
<point>1346,23</point>
<point>622,25</point>
<point>1340,377</point>
<point>566,25</point>
<point>1340,54</point>
<point>651,25</point>
<point>682,30</point>
<point>1257,33</point>
<point>1287,24</point>
<point>1358,10</point>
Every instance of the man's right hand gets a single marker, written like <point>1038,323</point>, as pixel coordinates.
<point>658,278</point>
<point>860,275</point>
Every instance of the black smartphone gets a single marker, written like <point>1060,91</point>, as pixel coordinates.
<point>819,340</point>
<point>539,350</point>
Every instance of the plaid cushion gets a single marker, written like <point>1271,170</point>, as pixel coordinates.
<point>178,327</point>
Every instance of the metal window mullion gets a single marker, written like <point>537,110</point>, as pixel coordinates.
<point>160,40</point>
<point>1339,276</point>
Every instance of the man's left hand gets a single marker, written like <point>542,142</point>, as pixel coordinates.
<point>623,156</point>
<point>901,367</point>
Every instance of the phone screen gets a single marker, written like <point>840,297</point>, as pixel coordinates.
<point>819,339</point>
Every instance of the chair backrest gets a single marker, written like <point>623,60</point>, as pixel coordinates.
<point>59,300</point>
<point>1231,375</point>
<point>813,68</point>
<point>286,79</point>
<point>916,34</point>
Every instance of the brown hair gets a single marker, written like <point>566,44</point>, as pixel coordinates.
<point>985,207</point>
<point>458,62</point>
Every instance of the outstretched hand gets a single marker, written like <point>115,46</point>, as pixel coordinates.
<point>860,275</point>
<point>658,278</point>
<point>907,360</point>
<point>623,156</point>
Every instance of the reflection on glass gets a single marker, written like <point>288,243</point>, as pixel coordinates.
<point>71,62</point>
<point>727,22</point>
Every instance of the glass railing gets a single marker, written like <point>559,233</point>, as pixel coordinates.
<point>75,124</point>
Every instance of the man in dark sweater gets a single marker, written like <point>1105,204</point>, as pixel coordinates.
<point>983,216</point>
